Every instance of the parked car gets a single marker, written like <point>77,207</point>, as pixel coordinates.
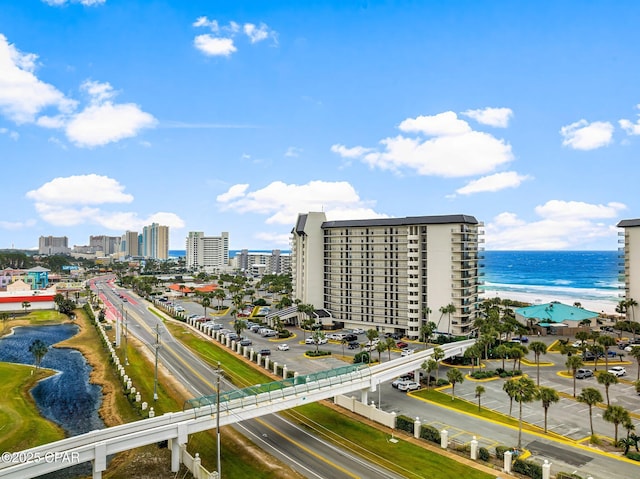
<point>351,337</point>
<point>407,352</point>
<point>246,342</point>
<point>617,371</point>
<point>358,331</point>
<point>283,347</point>
<point>313,341</point>
<point>584,373</point>
<point>579,344</point>
<point>270,334</point>
<point>408,386</point>
<point>353,345</point>
<point>401,379</point>
<point>265,352</point>
<point>402,344</point>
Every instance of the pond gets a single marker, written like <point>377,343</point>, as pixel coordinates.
<point>66,398</point>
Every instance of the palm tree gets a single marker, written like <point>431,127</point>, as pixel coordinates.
<point>454,376</point>
<point>616,415</point>
<point>429,366</point>
<point>607,379</point>
<point>632,303</point>
<point>573,363</point>
<point>635,353</point>
<point>479,392</point>
<point>381,347</point>
<point>590,397</point>
<point>509,388</point>
<point>426,330</point>
<point>220,295</point>
<point>308,309</point>
<point>473,353</point>
<point>206,302</point>
<point>317,337</point>
<point>239,325</point>
<point>538,348</point>
<point>501,351</point>
<point>449,309</point>
<point>524,391</point>
<point>517,353</point>
<point>371,335</point>
<point>597,351</point>
<point>38,348</point>
<point>437,355</point>
<point>606,342</point>
<point>389,344</point>
<point>26,305</point>
<point>547,396</point>
<point>4,317</point>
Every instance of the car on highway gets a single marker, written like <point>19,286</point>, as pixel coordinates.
<point>408,386</point>
<point>584,373</point>
<point>617,371</point>
<point>283,347</point>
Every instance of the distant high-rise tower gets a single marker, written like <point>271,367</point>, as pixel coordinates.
<point>155,241</point>
<point>53,245</point>
<point>130,244</point>
<point>207,252</point>
<point>630,265</point>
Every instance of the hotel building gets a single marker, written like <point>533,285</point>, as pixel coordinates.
<point>630,264</point>
<point>389,274</point>
<point>208,253</point>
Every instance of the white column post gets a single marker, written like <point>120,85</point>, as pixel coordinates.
<point>507,461</point>
<point>546,470</point>
<point>100,461</point>
<point>416,428</point>
<point>474,448</point>
<point>444,439</point>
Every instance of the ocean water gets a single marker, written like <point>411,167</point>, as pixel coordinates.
<point>574,275</point>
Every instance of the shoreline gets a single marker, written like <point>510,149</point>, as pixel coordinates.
<point>601,306</point>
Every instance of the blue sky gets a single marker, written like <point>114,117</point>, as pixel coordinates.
<point>236,116</point>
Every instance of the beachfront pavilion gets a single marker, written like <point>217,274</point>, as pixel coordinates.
<point>555,318</point>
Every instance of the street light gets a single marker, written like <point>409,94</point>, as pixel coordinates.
<point>218,372</point>
<point>157,347</point>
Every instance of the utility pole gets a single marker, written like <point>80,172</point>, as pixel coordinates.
<point>155,382</point>
<point>218,418</point>
<point>126,335</point>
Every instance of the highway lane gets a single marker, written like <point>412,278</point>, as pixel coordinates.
<point>309,455</point>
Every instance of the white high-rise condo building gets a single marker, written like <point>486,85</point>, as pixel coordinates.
<point>208,253</point>
<point>630,266</point>
<point>390,274</point>
<point>155,241</point>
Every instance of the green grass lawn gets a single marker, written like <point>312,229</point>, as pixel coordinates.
<point>21,426</point>
<point>345,430</point>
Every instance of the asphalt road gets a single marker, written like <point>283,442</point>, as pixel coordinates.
<point>306,453</point>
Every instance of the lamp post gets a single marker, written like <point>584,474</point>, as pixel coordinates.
<point>218,418</point>
<point>126,335</point>
<point>155,382</point>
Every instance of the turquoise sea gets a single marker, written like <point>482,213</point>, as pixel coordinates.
<point>574,275</point>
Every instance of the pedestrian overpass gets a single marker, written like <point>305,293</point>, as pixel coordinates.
<point>200,414</point>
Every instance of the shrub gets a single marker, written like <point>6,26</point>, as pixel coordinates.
<point>483,374</point>
<point>567,475</point>
<point>634,456</point>
<point>483,454</point>
<point>405,423</point>
<point>500,450</point>
<point>430,433</point>
<point>528,468</point>
<point>362,357</point>
<point>317,354</point>
<point>442,382</point>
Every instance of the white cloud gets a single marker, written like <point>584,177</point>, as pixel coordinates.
<point>293,152</point>
<point>454,151</point>
<point>23,99</point>
<point>497,117</point>
<point>583,135</point>
<point>17,225</point>
<point>562,225</point>
<point>355,152</point>
<point>74,200</point>
<point>82,189</point>
<point>100,124</point>
<point>86,3</point>
<point>282,202</point>
<point>277,239</point>
<point>256,34</point>
<point>630,127</point>
<point>14,135</point>
<point>492,183</point>
<point>236,191</point>
<point>221,41</point>
<point>442,124</point>
<point>22,95</point>
<point>214,46</point>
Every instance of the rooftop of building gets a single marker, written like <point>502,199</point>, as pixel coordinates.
<point>628,223</point>
<point>555,312</point>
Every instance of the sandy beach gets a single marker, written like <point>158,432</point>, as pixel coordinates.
<point>597,306</point>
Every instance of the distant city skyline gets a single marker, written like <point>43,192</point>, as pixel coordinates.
<point>238,116</point>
